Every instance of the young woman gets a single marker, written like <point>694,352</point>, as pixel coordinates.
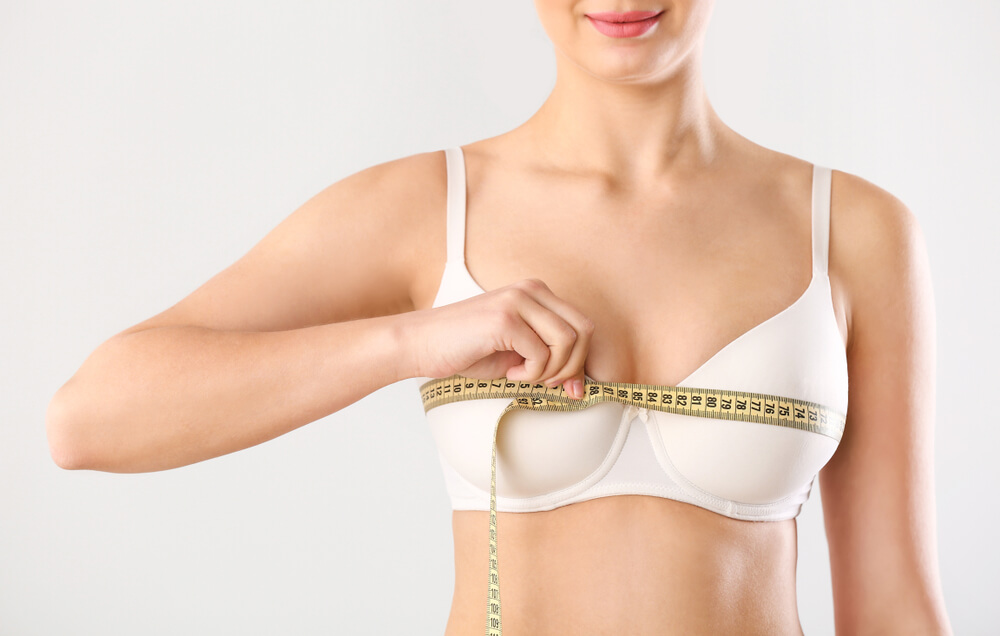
<point>623,233</point>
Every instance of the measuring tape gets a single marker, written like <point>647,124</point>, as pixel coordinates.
<point>714,403</point>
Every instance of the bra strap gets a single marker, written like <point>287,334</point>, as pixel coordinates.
<point>821,190</point>
<point>455,236</point>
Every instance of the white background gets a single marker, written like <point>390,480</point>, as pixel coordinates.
<point>145,146</point>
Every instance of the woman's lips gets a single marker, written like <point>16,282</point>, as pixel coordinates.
<point>624,25</point>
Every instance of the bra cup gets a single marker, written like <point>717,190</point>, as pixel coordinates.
<point>798,355</point>
<point>742,462</point>
<point>538,452</point>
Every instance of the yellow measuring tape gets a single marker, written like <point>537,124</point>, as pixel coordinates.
<point>714,403</point>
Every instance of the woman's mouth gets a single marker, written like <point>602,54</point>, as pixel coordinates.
<point>624,25</point>
<point>629,24</point>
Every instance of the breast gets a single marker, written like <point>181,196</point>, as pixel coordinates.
<point>538,452</point>
<point>740,469</point>
<point>731,461</point>
<point>799,355</point>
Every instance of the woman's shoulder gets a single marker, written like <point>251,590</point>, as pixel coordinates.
<point>410,178</point>
<point>406,197</point>
<point>878,252</point>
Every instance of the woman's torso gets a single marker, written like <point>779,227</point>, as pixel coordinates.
<point>694,261</point>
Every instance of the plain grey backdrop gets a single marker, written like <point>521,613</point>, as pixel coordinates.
<point>145,146</point>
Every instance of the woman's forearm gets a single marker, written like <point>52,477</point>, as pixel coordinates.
<point>170,396</point>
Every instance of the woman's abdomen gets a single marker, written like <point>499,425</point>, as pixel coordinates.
<point>630,564</point>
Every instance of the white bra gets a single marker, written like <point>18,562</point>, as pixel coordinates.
<point>743,470</point>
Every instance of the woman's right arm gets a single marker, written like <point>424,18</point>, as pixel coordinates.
<point>310,320</point>
<point>314,317</point>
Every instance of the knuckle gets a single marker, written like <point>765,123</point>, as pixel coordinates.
<point>504,320</point>
<point>515,292</point>
<point>533,283</point>
<point>569,333</point>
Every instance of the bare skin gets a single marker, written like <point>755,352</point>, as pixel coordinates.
<point>629,197</point>
<point>643,562</point>
<point>648,565</point>
<point>629,201</point>
<point>628,565</point>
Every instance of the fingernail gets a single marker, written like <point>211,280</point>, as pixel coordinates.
<point>578,388</point>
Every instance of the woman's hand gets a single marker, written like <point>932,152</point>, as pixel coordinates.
<point>522,331</point>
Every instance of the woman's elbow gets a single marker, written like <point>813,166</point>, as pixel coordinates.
<point>63,431</point>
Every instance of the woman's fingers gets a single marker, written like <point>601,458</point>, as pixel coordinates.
<point>563,330</point>
<point>523,331</point>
